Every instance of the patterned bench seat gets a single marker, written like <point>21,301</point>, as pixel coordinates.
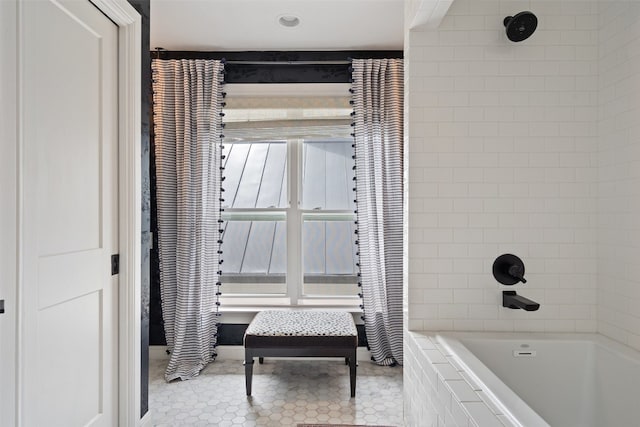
<point>301,333</point>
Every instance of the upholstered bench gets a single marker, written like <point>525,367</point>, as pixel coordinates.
<point>301,333</point>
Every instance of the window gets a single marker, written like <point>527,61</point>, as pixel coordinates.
<point>327,207</point>
<point>288,200</point>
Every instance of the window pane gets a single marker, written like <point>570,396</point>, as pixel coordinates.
<point>314,247</point>
<point>272,192</point>
<point>329,257</point>
<point>340,249</point>
<point>255,175</point>
<point>254,254</point>
<point>327,175</point>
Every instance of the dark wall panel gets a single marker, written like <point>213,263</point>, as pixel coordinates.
<point>284,67</point>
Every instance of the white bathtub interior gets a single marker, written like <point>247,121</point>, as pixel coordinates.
<point>568,380</point>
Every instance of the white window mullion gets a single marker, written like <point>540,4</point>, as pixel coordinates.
<point>294,224</point>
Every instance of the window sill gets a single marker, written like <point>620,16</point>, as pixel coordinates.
<point>254,305</point>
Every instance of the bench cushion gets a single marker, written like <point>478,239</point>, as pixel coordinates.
<point>297,328</point>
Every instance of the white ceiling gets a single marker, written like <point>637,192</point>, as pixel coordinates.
<point>238,25</point>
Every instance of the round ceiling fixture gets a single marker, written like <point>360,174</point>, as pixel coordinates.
<point>288,21</point>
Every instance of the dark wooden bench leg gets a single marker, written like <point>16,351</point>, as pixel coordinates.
<point>353,362</point>
<point>248,371</point>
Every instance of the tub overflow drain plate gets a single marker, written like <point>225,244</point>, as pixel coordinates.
<point>524,353</point>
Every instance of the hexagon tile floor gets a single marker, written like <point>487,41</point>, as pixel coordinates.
<point>285,393</point>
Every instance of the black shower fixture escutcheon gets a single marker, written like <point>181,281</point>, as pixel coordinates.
<point>508,269</point>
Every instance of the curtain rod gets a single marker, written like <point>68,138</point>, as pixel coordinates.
<point>268,58</point>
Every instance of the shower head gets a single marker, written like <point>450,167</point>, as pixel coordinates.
<point>520,26</point>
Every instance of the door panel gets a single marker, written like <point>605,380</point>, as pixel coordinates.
<point>66,276</point>
<point>69,75</point>
<point>71,325</point>
<point>69,175</point>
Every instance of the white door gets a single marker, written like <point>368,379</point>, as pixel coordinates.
<point>68,351</point>
<point>8,235</point>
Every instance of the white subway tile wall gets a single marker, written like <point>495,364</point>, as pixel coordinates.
<point>529,148</point>
<point>502,157</point>
<point>438,392</point>
<point>618,268</point>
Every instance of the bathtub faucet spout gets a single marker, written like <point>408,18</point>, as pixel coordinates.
<point>512,300</point>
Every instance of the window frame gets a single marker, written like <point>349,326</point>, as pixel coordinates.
<point>347,214</point>
<point>294,217</point>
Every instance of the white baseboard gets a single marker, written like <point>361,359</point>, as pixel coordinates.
<point>158,352</point>
<point>146,420</point>
<point>236,352</point>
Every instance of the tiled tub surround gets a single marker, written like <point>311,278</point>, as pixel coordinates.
<point>501,156</point>
<point>438,392</point>
<point>520,379</point>
<point>618,166</point>
<point>528,148</point>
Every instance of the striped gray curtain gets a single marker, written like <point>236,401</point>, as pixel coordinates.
<point>187,100</point>
<point>378,118</point>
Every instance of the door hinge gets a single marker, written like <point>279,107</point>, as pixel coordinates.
<point>115,264</point>
<point>1,306</point>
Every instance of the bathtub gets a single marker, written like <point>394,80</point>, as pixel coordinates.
<point>557,380</point>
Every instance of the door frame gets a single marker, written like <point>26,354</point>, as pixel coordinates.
<point>129,25</point>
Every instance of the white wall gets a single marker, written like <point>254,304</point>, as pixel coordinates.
<point>501,158</point>
<point>619,172</point>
